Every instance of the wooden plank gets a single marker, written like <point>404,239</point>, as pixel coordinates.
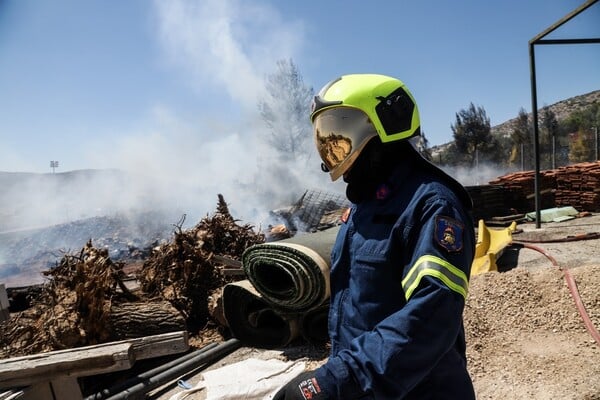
<point>227,261</point>
<point>39,391</point>
<point>89,360</point>
<point>4,304</point>
<point>159,345</point>
<point>66,388</point>
<point>83,361</point>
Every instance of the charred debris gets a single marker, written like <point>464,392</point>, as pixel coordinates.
<point>88,299</point>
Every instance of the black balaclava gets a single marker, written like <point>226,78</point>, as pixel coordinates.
<point>373,167</point>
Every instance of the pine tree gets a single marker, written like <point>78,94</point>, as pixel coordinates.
<point>285,111</point>
<point>472,133</point>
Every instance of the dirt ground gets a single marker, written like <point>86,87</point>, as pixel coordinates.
<point>525,336</point>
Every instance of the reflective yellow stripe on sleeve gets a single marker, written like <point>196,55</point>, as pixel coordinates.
<point>439,268</point>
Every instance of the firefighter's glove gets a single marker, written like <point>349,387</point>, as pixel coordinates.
<point>302,387</point>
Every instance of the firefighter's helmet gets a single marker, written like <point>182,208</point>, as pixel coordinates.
<point>352,109</point>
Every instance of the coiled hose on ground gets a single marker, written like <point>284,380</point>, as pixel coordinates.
<point>286,293</point>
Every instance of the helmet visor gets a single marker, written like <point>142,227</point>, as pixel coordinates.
<point>340,135</point>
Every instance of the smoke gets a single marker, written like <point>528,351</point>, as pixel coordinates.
<point>220,49</point>
<point>481,174</point>
<point>169,160</point>
<point>226,45</point>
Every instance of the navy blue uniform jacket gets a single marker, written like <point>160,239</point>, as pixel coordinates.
<point>399,278</point>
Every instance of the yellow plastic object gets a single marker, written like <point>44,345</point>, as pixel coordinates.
<point>491,243</point>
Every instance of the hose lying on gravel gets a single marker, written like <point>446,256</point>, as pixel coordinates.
<point>286,294</point>
<point>572,285</point>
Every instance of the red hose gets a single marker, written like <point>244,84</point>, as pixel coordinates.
<point>583,236</point>
<point>572,285</point>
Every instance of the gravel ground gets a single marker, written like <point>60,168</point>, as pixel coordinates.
<point>525,336</point>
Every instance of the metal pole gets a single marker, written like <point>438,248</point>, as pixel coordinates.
<point>562,21</point>
<point>539,39</point>
<point>535,134</point>
<point>477,166</point>
<point>522,157</point>
<point>553,151</point>
<point>596,136</point>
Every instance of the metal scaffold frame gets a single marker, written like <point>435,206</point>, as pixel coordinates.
<point>539,40</point>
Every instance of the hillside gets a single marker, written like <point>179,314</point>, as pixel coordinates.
<point>561,109</point>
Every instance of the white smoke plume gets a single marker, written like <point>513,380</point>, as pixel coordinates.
<point>222,48</point>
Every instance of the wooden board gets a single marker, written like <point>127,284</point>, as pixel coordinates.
<point>85,361</point>
<point>89,360</point>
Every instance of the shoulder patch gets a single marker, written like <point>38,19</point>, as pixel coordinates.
<point>449,233</point>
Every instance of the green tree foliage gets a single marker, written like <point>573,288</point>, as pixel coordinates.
<point>501,152</point>
<point>579,150</point>
<point>568,140</point>
<point>548,122</point>
<point>472,136</point>
<point>522,139</point>
<point>548,125</point>
<point>579,129</point>
<point>285,111</point>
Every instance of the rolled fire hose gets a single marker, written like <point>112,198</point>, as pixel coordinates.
<point>292,275</point>
<point>313,325</point>
<point>286,294</point>
<point>253,321</point>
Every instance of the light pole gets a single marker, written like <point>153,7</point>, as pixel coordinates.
<point>596,141</point>
<point>553,151</point>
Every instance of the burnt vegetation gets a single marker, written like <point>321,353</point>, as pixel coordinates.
<point>84,295</point>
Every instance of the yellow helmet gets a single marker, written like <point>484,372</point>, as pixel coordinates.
<point>350,110</point>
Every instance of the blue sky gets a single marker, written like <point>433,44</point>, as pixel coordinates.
<point>169,89</point>
<point>79,78</point>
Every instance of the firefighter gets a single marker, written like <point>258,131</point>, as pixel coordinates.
<point>401,261</point>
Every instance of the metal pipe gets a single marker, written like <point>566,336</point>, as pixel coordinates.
<point>568,41</point>
<point>536,150</point>
<point>147,374</point>
<point>596,142</point>
<point>205,358</point>
<point>553,151</point>
<point>563,20</point>
<point>538,39</point>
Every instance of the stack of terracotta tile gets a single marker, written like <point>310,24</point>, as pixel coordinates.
<point>578,185</point>
<point>520,189</point>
